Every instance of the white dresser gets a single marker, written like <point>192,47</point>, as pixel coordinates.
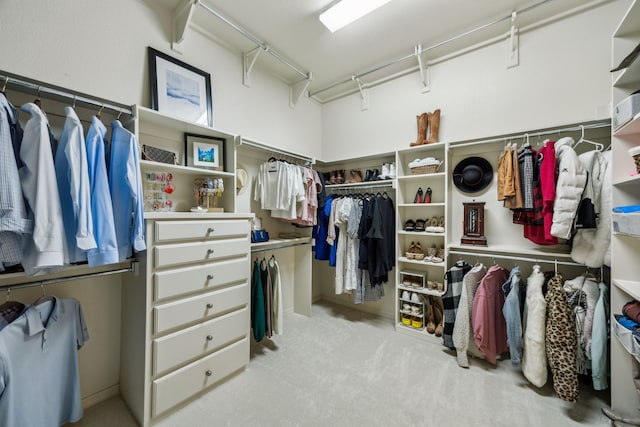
<point>186,315</point>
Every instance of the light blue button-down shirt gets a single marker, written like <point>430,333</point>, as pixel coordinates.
<point>43,250</point>
<point>104,229</point>
<point>13,214</point>
<point>39,380</point>
<point>72,173</point>
<point>126,191</point>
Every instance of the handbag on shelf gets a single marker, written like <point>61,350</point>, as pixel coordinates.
<point>159,155</point>
<point>258,236</point>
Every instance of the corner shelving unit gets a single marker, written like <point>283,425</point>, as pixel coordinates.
<point>625,249</point>
<point>407,186</point>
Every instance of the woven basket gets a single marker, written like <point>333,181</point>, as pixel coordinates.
<point>420,170</point>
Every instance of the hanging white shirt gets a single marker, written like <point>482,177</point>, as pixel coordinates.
<point>44,248</point>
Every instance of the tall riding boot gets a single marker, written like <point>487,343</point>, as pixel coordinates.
<point>434,126</point>
<point>422,130</point>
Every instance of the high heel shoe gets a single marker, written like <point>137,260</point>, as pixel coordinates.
<point>419,195</point>
<point>427,196</point>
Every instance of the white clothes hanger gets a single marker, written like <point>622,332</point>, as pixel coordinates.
<point>599,147</point>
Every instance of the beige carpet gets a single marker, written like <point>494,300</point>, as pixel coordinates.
<point>342,367</point>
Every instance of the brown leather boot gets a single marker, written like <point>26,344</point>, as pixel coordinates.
<point>340,176</point>
<point>357,175</point>
<point>431,323</point>
<point>422,120</point>
<point>439,315</point>
<point>434,126</point>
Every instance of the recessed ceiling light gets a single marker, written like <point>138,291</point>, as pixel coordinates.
<point>347,11</point>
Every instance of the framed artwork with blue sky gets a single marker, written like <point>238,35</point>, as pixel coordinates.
<point>179,89</point>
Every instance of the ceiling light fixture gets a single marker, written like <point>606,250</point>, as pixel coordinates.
<point>346,11</point>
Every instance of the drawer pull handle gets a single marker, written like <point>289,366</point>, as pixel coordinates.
<point>210,230</point>
<point>209,372</point>
<point>209,251</point>
<point>209,337</point>
<point>209,276</point>
<point>209,305</point>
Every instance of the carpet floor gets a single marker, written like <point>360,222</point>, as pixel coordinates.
<point>343,367</point>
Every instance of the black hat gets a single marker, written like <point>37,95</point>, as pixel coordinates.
<point>472,174</point>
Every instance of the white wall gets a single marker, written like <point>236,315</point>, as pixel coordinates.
<point>563,77</point>
<point>99,48</point>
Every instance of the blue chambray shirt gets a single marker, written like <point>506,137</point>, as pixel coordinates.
<point>126,191</point>
<point>39,379</point>
<point>104,229</point>
<point>72,174</point>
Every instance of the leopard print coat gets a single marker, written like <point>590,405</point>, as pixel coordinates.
<point>560,341</point>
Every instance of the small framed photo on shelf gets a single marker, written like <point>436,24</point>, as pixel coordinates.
<point>179,89</point>
<point>204,151</point>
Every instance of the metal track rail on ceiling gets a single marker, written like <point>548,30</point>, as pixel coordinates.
<point>427,49</point>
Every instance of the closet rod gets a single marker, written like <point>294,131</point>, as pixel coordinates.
<point>273,248</point>
<point>358,186</point>
<point>132,269</point>
<point>413,55</point>
<point>535,260</point>
<point>255,40</point>
<point>597,125</point>
<point>40,88</point>
<point>273,150</point>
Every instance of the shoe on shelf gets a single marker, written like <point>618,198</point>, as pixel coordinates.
<point>439,254</point>
<point>385,172</point>
<point>392,171</point>
<point>419,196</point>
<point>411,251</point>
<point>406,307</point>
<point>418,253</point>
<point>367,175</point>
<point>417,282</point>
<point>420,224</point>
<point>375,173</point>
<point>332,177</point>
<point>427,195</point>
<point>406,319</point>
<point>416,298</point>
<point>340,176</point>
<point>431,252</point>
<point>416,309</point>
<point>405,295</point>
<point>416,322</point>
<point>409,225</point>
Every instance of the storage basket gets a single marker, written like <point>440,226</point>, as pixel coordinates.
<point>424,169</point>
<point>626,338</point>
<point>626,220</point>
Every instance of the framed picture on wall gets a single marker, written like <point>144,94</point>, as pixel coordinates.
<point>204,151</point>
<point>179,89</point>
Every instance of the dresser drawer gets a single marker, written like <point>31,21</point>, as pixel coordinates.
<point>200,229</point>
<point>179,347</point>
<point>199,278</point>
<point>183,253</point>
<point>189,380</point>
<point>199,307</point>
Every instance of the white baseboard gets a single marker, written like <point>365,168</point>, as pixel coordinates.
<point>100,396</point>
